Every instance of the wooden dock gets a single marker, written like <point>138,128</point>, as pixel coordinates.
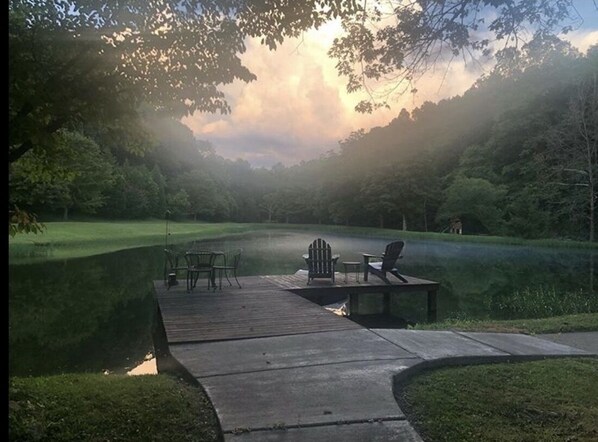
<point>319,290</point>
<point>268,306</point>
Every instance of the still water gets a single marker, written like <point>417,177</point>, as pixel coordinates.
<point>95,314</point>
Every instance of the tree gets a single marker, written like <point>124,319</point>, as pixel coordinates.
<point>526,215</point>
<point>133,194</point>
<point>178,204</point>
<point>377,193</point>
<point>290,202</point>
<point>392,43</point>
<point>158,199</point>
<point>207,199</point>
<point>475,200</point>
<point>343,206</point>
<point>574,148</point>
<point>74,175</point>
<point>269,204</point>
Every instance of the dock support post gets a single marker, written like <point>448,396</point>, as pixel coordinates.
<point>386,305</point>
<point>353,303</point>
<point>432,305</point>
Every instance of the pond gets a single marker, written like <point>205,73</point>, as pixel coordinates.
<point>95,314</point>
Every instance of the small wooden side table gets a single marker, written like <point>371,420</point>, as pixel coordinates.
<point>352,266</point>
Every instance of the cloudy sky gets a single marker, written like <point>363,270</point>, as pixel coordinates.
<point>299,109</point>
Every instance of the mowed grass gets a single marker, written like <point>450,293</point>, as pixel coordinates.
<point>559,324</point>
<point>97,407</point>
<point>550,400</point>
<point>78,239</point>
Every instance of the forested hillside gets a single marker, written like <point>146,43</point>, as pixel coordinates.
<point>515,155</point>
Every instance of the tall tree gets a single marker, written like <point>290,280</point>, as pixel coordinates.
<point>378,195</point>
<point>75,175</point>
<point>574,148</point>
<point>475,200</point>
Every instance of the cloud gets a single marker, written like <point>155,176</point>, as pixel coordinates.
<point>582,39</point>
<point>299,109</point>
<point>296,110</point>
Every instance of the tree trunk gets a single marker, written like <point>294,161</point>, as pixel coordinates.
<point>592,267</point>
<point>588,131</point>
<point>404,223</point>
<point>425,216</point>
<point>65,214</point>
<point>381,218</point>
<point>592,212</point>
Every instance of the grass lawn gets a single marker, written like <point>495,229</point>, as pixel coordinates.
<point>550,400</point>
<point>78,239</point>
<point>558,324</point>
<point>97,407</point>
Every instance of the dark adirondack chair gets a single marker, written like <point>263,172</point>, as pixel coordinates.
<point>385,263</point>
<point>321,263</point>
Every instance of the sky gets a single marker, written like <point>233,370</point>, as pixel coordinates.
<point>298,108</point>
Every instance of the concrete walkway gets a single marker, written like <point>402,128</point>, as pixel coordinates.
<point>335,386</point>
<point>587,341</point>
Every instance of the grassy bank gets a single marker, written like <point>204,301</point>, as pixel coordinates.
<point>116,408</point>
<point>560,324</point>
<point>551,400</point>
<point>78,239</point>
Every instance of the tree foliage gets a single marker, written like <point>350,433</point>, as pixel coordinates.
<point>388,45</point>
<point>74,175</point>
<point>573,149</point>
<point>475,200</point>
<point>20,221</point>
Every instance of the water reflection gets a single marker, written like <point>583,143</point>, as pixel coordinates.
<point>89,314</point>
<point>95,314</point>
<point>148,366</point>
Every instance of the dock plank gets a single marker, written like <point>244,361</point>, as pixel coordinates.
<point>204,316</point>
